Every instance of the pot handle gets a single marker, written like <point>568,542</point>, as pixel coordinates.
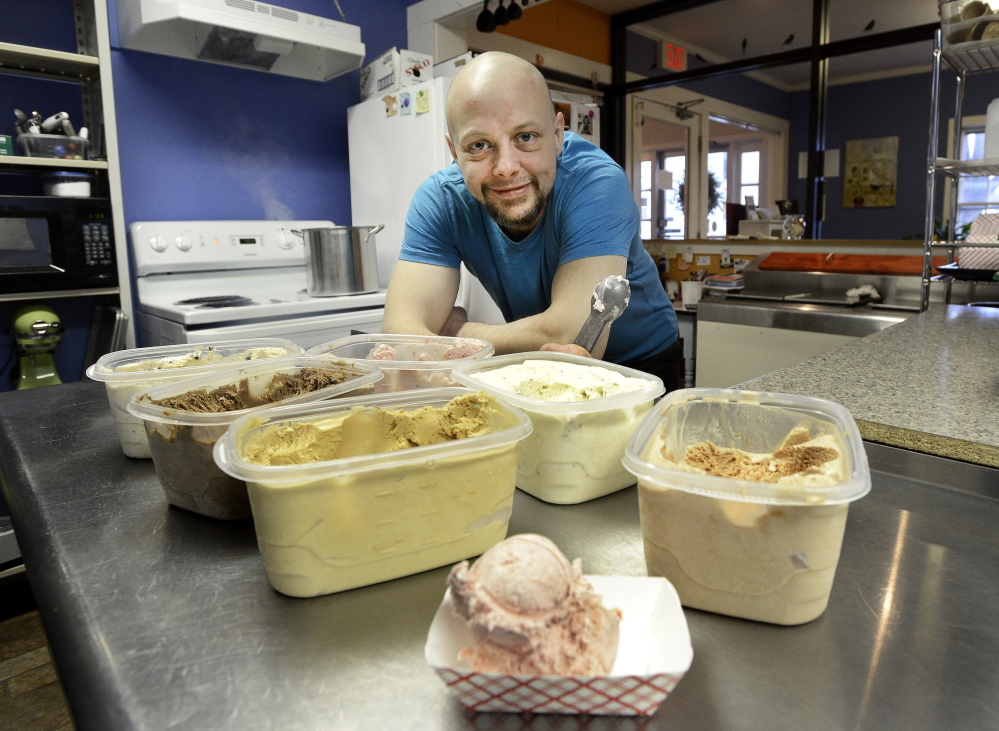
<point>298,233</point>
<point>372,231</point>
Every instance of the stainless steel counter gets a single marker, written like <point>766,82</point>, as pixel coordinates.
<point>159,618</point>
<point>828,319</point>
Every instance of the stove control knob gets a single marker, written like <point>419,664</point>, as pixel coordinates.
<point>183,242</point>
<point>285,240</point>
<point>158,243</point>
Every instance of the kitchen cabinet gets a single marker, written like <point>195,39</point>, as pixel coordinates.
<point>90,69</point>
<point>963,58</point>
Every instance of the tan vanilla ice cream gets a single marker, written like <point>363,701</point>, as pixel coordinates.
<point>738,528</point>
<point>372,489</point>
<point>583,410</point>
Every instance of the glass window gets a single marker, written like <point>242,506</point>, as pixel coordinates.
<point>646,208</point>
<point>975,195</point>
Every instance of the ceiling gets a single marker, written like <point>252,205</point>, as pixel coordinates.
<point>717,30</point>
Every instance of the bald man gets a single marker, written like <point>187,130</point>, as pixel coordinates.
<point>539,216</point>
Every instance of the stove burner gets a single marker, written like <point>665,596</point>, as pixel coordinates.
<point>228,300</point>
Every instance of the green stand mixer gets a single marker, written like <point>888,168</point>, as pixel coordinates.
<point>37,330</point>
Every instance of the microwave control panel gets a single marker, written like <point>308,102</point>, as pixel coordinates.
<point>98,248</point>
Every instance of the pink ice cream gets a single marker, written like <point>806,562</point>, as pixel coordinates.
<point>533,613</point>
<point>462,348</point>
<point>404,379</point>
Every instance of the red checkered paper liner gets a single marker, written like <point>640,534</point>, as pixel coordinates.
<point>984,230</point>
<point>653,655</point>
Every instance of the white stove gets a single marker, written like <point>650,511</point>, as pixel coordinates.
<point>203,281</point>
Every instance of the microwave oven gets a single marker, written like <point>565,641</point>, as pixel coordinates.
<point>48,243</point>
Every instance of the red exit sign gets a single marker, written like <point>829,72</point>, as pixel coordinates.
<point>674,57</point>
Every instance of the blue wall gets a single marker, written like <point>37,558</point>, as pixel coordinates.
<point>204,141</point>
<point>200,140</point>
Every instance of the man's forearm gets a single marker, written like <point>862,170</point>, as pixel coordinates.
<point>524,335</point>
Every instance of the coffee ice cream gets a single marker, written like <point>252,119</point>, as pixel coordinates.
<point>350,495</point>
<point>371,431</point>
<point>533,613</point>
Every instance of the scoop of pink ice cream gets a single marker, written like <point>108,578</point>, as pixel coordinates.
<point>382,351</point>
<point>462,348</point>
<point>532,612</point>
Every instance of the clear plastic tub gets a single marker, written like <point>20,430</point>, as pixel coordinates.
<point>63,147</point>
<point>760,550</point>
<point>328,526</point>
<point>181,438</point>
<point>574,453</point>
<point>126,372</point>
<point>408,361</point>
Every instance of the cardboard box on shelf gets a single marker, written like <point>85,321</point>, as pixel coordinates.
<point>452,66</point>
<point>393,70</point>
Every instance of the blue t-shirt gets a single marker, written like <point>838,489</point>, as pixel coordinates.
<point>591,212</point>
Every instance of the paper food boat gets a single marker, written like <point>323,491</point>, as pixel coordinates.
<point>653,655</point>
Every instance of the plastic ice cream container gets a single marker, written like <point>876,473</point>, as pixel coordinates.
<point>327,526</point>
<point>574,453</point>
<point>126,372</point>
<point>408,361</point>
<point>181,438</point>
<point>747,548</point>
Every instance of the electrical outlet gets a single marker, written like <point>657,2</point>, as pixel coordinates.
<point>688,254</point>
<point>726,259</point>
<point>704,261</point>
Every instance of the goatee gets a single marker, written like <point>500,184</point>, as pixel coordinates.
<point>526,220</point>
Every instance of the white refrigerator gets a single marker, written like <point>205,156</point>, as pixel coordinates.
<point>395,142</point>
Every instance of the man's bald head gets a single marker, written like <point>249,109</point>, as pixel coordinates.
<point>506,138</point>
<point>489,74</point>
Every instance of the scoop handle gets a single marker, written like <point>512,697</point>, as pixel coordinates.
<point>589,333</point>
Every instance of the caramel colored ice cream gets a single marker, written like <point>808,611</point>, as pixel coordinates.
<point>358,501</point>
<point>533,613</point>
<point>799,460</point>
<point>371,431</point>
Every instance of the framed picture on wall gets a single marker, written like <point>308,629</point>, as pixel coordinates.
<point>870,171</point>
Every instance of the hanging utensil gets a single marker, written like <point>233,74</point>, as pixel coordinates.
<point>514,12</point>
<point>486,22</point>
<point>500,16</point>
<point>610,298</point>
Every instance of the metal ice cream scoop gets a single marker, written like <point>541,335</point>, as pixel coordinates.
<point>610,297</point>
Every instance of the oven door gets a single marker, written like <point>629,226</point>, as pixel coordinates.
<point>304,331</point>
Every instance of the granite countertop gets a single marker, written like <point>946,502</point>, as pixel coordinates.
<point>929,384</point>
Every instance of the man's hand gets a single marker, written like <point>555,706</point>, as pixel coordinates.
<point>571,348</point>
<point>454,322</point>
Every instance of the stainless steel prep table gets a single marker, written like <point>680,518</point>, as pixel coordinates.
<point>160,618</point>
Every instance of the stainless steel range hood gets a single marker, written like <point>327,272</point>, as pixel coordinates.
<point>242,33</point>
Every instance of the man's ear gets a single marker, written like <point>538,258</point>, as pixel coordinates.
<point>450,145</point>
<point>559,132</point>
